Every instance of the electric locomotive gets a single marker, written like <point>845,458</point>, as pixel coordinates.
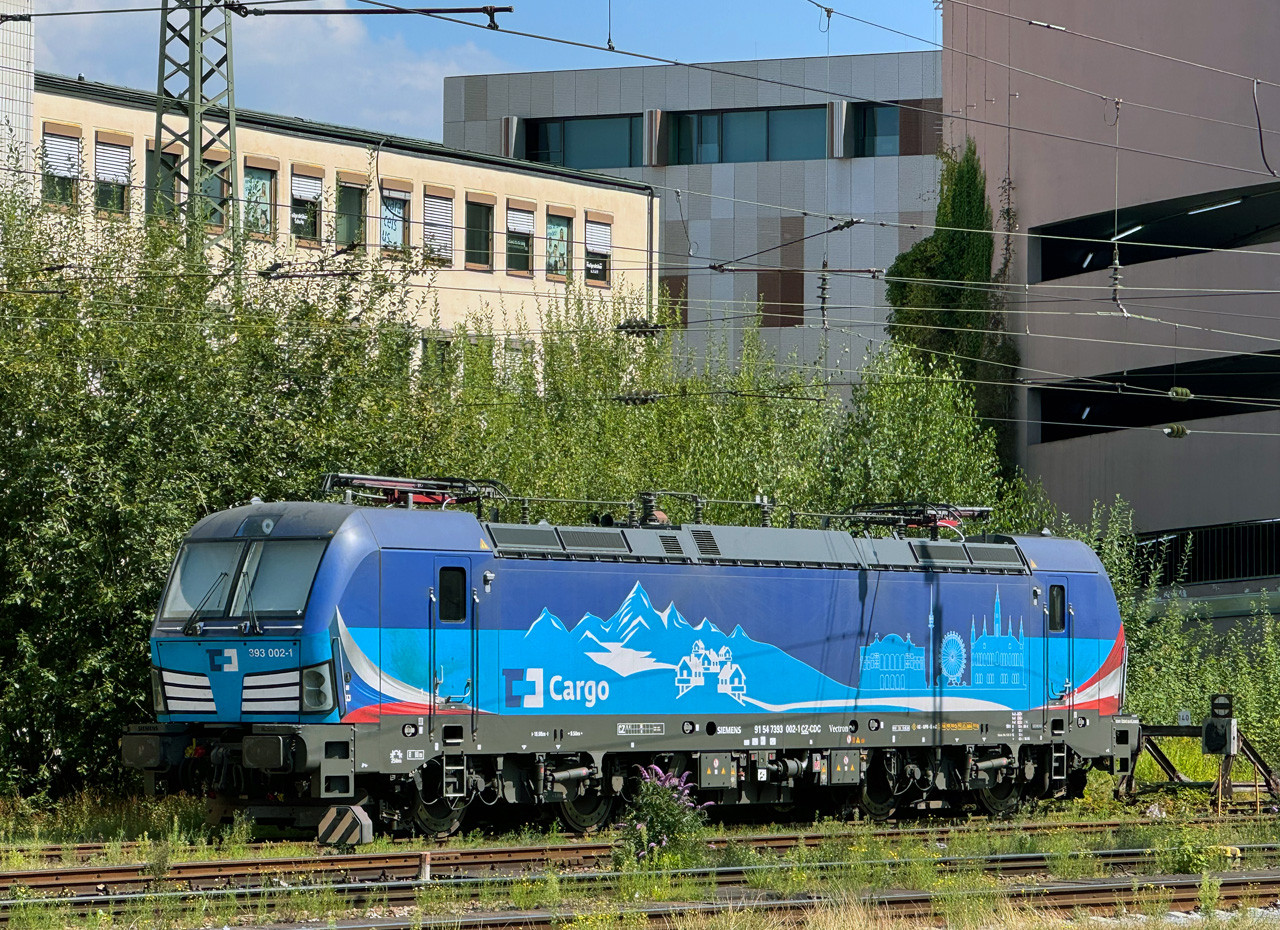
<point>414,661</point>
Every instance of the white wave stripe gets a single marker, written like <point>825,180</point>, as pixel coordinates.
<point>374,676</point>
<point>906,703</point>
<point>1106,688</point>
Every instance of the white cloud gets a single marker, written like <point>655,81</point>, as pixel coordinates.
<point>328,68</point>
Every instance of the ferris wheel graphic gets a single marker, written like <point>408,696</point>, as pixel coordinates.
<point>953,657</point>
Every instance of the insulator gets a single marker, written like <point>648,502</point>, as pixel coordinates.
<point>1180,393</point>
<point>1176,431</point>
<point>648,506</point>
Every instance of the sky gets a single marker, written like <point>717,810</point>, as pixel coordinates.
<point>386,72</point>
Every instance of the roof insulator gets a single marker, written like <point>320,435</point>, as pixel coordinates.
<point>1176,431</point>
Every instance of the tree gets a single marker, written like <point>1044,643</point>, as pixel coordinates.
<point>912,433</point>
<point>944,302</point>
<point>143,386</point>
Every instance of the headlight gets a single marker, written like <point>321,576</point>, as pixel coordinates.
<point>157,691</point>
<point>317,688</point>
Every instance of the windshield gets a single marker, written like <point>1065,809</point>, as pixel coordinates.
<point>243,579</point>
<point>201,580</point>
<point>276,577</point>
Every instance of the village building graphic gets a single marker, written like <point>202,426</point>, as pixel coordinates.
<point>702,664</point>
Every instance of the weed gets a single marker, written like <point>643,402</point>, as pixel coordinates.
<point>663,820</point>
<point>1209,894</point>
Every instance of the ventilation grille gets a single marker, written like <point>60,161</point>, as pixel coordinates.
<point>602,540</point>
<point>1004,555</point>
<point>541,538</point>
<point>671,544</point>
<point>706,542</point>
<point>940,552</point>
<point>186,693</point>
<point>272,693</point>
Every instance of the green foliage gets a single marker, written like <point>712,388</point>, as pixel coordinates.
<point>663,822</point>
<point>143,386</point>
<point>907,419</point>
<point>944,306</point>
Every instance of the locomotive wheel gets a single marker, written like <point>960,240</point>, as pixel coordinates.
<point>878,801</point>
<point>1001,799</point>
<point>438,819</point>
<point>588,814</point>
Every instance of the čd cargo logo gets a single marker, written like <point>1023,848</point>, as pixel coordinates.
<point>223,660</point>
<point>525,689</point>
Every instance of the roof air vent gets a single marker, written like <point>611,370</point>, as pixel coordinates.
<point>706,542</point>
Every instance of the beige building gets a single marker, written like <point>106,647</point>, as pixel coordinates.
<point>496,231</point>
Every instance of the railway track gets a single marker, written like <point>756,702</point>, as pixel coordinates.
<point>729,887</point>
<point>573,852</point>
<point>401,882</point>
<point>448,861</point>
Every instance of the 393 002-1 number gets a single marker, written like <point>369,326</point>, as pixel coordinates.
<point>283,652</point>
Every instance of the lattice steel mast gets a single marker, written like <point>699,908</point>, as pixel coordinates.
<point>195,141</point>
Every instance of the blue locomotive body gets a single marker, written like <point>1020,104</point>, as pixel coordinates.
<point>413,660</point>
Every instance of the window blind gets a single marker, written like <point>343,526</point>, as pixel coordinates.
<point>305,188</point>
<point>112,163</point>
<point>599,237</point>
<point>437,225</point>
<point>519,221</point>
<point>61,156</point>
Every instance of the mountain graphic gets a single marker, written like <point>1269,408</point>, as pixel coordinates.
<point>657,661</point>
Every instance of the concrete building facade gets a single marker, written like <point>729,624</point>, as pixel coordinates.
<point>499,232</point>
<point>754,162</point>
<point>1181,188</point>
<point>17,77</point>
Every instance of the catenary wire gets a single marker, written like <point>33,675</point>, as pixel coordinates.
<point>658,59</point>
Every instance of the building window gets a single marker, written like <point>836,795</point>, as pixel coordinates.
<point>259,201</point>
<point>162,201</point>
<point>875,130</point>
<point>519,240</point>
<point>112,172</point>
<point>437,228</point>
<point>479,238</point>
<point>304,207</point>
<point>559,246</point>
<point>349,222</point>
<point>798,134</point>
<point>599,243</point>
<point>394,231</point>
<point>587,142</point>
<point>213,188</point>
<point>779,134</point>
<point>61,169</point>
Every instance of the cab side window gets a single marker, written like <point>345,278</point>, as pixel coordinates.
<point>1057,608</point>
<point>453,595</point>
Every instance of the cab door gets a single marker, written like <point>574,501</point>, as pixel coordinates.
<point>1059,632</point>
<point>453,639</point>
